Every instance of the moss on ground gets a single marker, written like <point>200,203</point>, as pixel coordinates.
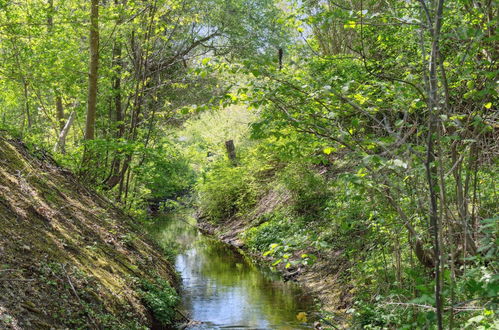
<point>65,257</point>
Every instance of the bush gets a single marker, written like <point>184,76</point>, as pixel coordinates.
<point>226,192</point>
<point>309,189</point>
<point>161,299</point>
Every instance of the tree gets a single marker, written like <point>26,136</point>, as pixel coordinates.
<point>403,97</point>
<point>93,75</point>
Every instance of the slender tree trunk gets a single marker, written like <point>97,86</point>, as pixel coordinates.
<point>61,142</point>
<point>118,65</point>
<point>93,71</point>
<point>117,89</point>
<point>58,99</point>
<point>114,175</point>
<point>50,15</point>
<point>141,84</point>
<point>435,25</point>
<point>60,112</point>
<point>26,103</point>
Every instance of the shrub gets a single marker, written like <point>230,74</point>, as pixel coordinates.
<point>227,191</point>
<point>161,299</point>
<point>309,189</point>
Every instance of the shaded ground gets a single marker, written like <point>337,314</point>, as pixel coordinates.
<point>68,257</point>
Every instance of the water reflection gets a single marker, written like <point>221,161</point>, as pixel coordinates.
<point>224,290</point>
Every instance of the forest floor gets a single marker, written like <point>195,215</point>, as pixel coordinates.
<point>68,257</point>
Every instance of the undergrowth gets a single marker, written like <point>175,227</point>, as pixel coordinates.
<point>161,298</point>
<point>334,218</point>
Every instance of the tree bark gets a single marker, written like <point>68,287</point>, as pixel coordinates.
<point>50,15</point>
<point>114,175</point>
<point>60,112</point>
<point>26,103</point>
<point>61,142</point>
<point>93,71</point>
<point>58,99</point>
<point>231,152</point>
<point>434,25</point>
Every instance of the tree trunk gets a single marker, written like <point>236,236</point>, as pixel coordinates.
<point>61,142</point>
<point>93,71</point>
<point>114,174</point>
<point>50,15</point>
<point>60,112</point>
<point>26,103</point>
<point>231,152</point>
<point>58,99</point>
<point>435,25</point>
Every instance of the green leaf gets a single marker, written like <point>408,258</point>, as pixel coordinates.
<point>350,25</point>
<point>328,150</point>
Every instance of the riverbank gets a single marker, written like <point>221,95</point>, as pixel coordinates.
<point>320,280</point>
<point>69,259</point>
<point>222,288</point>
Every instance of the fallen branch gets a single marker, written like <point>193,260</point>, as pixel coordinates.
<point>17,279</point>
<point>412,305</point>
<point>454,307</point>
<point>182,315</point>
<point>78,297</point>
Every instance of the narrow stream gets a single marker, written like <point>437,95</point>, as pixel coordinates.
<point>222,289</point>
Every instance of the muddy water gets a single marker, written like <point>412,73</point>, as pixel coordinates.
<point>222,289</point>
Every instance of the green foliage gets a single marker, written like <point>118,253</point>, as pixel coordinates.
<point>226,191</point>
<point>485,320</point>
<point>132,158</point>
<point>161,298</point>
<point>340,130</point>
<point>275,228</point>
<point>165,172</point>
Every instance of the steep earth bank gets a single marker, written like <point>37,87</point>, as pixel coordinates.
<point>68,257</point>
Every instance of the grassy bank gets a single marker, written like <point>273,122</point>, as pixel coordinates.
<point>315,217</point>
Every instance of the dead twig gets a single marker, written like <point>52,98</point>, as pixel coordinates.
<point>412,305</point>
<point>96,326</point>
<point>186,319</point>
<point>17,279</point>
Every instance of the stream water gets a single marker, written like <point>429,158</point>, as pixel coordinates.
<point>222,289</point>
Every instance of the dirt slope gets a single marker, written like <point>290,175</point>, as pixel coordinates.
<point>68,258</point>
